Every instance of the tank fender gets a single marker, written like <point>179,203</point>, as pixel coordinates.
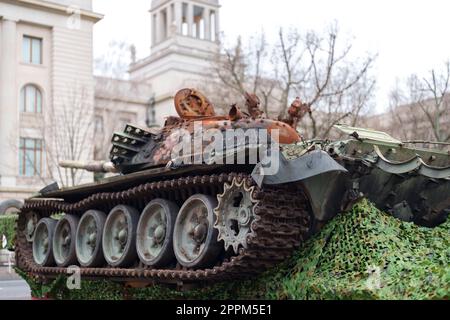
<point>323,179</point>
<point>309,165</point>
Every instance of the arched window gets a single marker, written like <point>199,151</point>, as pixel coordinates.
<point>30,99</point>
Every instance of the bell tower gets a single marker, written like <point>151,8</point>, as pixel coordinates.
<point>184,43</point>
<point>196,19</point>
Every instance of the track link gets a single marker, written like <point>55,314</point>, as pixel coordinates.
<point>283,222</point>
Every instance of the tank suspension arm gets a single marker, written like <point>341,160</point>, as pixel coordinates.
<point>91,166</point>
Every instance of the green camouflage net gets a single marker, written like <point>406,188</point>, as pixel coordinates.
<point>369,254</point>
<point>362,254</point>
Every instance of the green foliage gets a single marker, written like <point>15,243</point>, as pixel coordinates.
<point>366,254</point>
<point>8,228</point>
<point>94,290</point>
<point>362,254</point>
<point>40,289</point>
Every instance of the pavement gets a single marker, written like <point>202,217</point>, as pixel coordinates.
<point>12,287</point>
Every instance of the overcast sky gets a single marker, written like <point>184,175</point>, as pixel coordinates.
<point>410,36</point>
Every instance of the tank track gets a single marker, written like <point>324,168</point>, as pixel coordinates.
<point>283,222</point>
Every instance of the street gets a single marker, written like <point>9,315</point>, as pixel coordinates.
<point>12,287</point>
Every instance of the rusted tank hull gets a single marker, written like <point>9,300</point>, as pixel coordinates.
<point>169,221</point>
<point>309,190</point>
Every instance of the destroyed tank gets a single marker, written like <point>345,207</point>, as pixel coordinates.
<point>164,219</point>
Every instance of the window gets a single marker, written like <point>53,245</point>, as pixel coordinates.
<point>32,50</point>
<point>151,112</point>
<point>151,115</point>
<point>30,157</point>
<point>30,99</point>
<point>98,128</point>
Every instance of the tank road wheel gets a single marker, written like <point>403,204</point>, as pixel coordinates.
<point>30,226</point>
<point>89,239</point>
<point>155,233</point>
<point>195,239</point>
<point>42,242</point>
<point>235,214</point>
<point>119,236</point>
<point>64,241</point>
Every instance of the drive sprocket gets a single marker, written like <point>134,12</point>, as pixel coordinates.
<point>235,214</point>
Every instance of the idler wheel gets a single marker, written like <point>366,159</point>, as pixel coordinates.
<point>195,239</point>
<point>89,249</point>
<point>155,233</point>
<point>64,241</point>
<point>119,236</point>
<point>42,243</point>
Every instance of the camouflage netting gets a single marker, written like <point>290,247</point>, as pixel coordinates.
<point>368,254</point>
<point>363,254</point>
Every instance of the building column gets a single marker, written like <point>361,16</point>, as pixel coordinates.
<point>217,24</point>
<point>207,22</point>
<point>179,17</point>
<point>190,19</point>
<point>158,31</point>
<point>162,26</point>
<point>154,29</point>
<point>169,22</point>
<point>9,113</point>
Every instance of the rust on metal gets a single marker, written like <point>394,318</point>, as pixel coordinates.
<point>138,147</point>
<point>282,213</point>
<point>296,112</point>
<point>253,105</point>
<point>190,103</point>
<point>235,113</point>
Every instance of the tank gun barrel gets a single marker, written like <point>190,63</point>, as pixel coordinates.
<point>91,166</point>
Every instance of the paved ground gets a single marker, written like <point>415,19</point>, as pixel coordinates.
<point>12,287</point>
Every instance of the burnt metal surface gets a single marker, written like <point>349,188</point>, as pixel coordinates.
<point>191,104</point>
<point>253,106</point>
<point>315,181</point>
<point>296,112</point>
<point>283,222</point>
<point>411,184</point>
<point>414,164</point>
<point>138,149</point>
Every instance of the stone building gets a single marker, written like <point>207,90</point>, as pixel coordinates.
<point>48,91</point>
<point>45,65</point>
<point>117,103</point>
<point>185,38</point>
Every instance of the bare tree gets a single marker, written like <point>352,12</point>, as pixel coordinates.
<point>67,132</point>
<point>422,109</point>
<point>65,129</point>
<point>116,61</point>
<point>110,111</point>
<point>337,86</point>
<point>242,68</point>
<point>112,86</point>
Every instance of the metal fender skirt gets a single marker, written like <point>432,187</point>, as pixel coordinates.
<point>309,165</point>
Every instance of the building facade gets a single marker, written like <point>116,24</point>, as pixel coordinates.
<point>46,77</point>
<point>52,108</point>
<point>185,39</point>
<point>117,103</point>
